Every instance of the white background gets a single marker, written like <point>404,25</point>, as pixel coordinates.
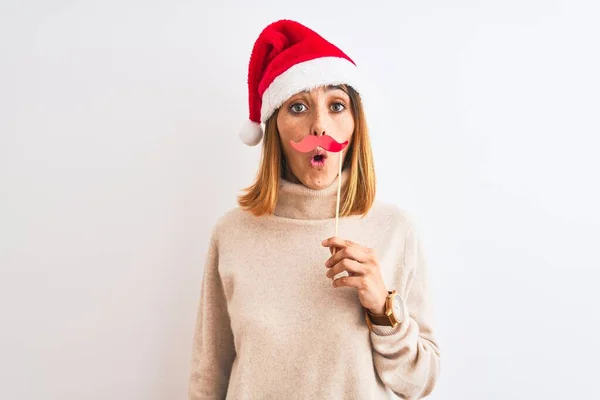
<point>119,151</point>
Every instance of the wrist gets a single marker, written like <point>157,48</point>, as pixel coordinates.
<point>380,310</point>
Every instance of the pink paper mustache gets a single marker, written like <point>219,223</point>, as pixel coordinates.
<point>309,143</point>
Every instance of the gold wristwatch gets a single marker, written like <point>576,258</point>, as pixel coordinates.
<point>394,312</point>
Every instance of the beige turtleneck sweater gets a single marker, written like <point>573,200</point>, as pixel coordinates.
<point>271,326</point>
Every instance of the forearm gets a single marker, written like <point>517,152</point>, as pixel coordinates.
<point>213,350</point>
<point>407,361</point>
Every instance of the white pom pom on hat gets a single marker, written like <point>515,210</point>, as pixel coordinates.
<point>251,133</point>
<point>286,59</point>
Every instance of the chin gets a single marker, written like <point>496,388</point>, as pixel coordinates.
<point>318,179</point>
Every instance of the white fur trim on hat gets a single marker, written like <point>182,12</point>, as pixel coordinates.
<point>251,133</point>
<point>305,76</point>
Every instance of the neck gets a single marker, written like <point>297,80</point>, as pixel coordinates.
<point>301,202</point>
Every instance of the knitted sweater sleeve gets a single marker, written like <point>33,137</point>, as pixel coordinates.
<point>407,357</point>
<point>213,349</point>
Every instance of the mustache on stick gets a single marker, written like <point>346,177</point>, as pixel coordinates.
<point>310,142</point>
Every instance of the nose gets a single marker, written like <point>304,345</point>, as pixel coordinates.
<point>319,121</point>
<point>318,127</point>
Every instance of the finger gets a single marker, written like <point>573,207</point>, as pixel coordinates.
<point>353,268</point>
<point>336,244</point>
<point>348,281</point>
<point>340,243</point>
<point>353,253</point>
<point>336,241</point>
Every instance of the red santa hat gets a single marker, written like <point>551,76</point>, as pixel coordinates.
<point>286,59</point>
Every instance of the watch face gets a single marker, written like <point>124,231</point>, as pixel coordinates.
<point>398,310</point>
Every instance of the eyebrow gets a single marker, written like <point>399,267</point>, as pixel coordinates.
<point>333,87</point>
<point>328,88</point>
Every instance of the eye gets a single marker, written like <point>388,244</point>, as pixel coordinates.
<point>296,108</point>
<point>338,107</point>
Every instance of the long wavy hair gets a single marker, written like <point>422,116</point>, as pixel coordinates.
<point>357,195</point>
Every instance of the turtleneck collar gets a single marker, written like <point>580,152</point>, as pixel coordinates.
<point>301,202</point>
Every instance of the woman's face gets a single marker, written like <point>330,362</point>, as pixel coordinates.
<point>324,110</point>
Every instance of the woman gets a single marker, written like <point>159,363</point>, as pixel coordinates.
<point>284,313</point>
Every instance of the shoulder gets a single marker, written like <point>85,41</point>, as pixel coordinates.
<point>389,213</point>
<point>232,220</point>
<point>231,216</point>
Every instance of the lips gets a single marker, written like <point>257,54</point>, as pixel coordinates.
<point>317,163</point>
<point>318,152</point>
<point>317,158</point>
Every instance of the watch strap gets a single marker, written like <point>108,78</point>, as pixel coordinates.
<point>379,319</point>
<point>382,319</point>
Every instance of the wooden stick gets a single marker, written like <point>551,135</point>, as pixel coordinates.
<point>337,207</point>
